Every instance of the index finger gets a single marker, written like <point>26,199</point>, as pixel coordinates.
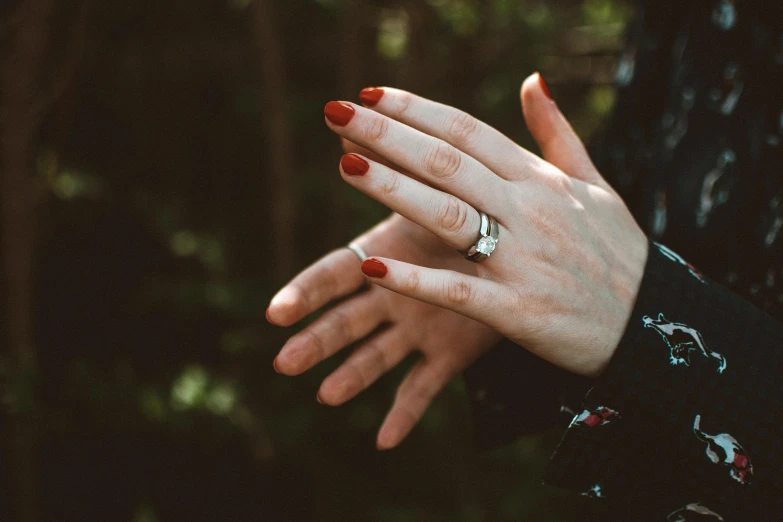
<point>465,132</point>
<point>333,276</point>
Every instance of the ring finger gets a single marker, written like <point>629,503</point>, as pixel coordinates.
<point>344,324</point>
<point>446,216</point>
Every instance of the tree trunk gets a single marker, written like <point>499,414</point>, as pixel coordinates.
<point>17,132</point>
<point>23,105</point>
<point>275,114</point>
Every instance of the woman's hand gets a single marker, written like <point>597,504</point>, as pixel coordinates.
<point>449,342</point>
<point>564,277</point>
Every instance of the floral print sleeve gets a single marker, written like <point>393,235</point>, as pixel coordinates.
<point>687,421</point>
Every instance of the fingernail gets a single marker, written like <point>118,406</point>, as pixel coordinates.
<point>371,96</point>
<point>544,87</point>
<point>269,319</point>
<point>318,397</point>
<point>353,165</point>
<point>339,113</point>
<point>274,365</point>
<point>374,268</point>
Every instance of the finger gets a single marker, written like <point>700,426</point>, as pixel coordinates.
<point>446,216</point>
<point>468,134</point>
<point>344,324</point>
<point>430,159</point>
<point>331,277</point>
<point>467,295</point>
<point>371,359</point>
<point>413,397</point>
<point>558,142</point>
<point>351,148</point>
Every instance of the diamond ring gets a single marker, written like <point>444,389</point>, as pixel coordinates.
<point>486,242</point>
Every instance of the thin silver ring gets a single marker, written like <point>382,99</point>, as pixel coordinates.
<point>489,234</point>
<point>356,249</point>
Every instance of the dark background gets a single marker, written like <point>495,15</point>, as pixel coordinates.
<point>165,169</point>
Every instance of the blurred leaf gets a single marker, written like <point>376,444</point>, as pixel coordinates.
<point>189,390</point>
<point>393,34</point>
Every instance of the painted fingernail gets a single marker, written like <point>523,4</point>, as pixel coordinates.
<point>374,268</point>
<point>371,96</point>
<point>353,165</point>
<point>339,113</point>
<point>544,87</point>
<point>274,365</point>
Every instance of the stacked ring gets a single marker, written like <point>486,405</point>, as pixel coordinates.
<point>489,233</point>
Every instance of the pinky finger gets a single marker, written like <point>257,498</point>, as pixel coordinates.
<point>467,295</point>
<point>414,396</point>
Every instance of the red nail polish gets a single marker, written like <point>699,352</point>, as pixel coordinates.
<point>374,268</point>
<point>339,113</point>
<point>371,96</point>
<point>353,165</point>
<point>544,87</point>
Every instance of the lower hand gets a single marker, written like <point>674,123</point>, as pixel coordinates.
<point>387,326</point>
<point>570,258</point>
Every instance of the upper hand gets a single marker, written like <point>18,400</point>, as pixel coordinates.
<point>564,277</point>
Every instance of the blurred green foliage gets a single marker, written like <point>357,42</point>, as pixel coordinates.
<point>158,401</point>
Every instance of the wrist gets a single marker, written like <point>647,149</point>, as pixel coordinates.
<point>627,283</point>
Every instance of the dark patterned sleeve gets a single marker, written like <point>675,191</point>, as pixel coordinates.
<point>515,393</point>
<point>688,418</point>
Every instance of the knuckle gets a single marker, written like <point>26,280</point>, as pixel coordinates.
<point>558,183</point>
<point>454,215</point>
<point>376,360</point>
<point>411,282</point>
<point>358,377</point>
<point>404,101</point>
<point>547,221</point>
<point>341,326</point>
<point>550,229</point>
<point>330,279</point>
<point>307,296</point>
<point>458,292</point>
<point>408,410</point>
<point>378,128</point>
<point>462,128</point>
<point>391,185</point>
<point>317,341</point>
<point>443,160</point>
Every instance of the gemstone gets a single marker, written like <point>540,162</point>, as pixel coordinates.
<point>486,245</point>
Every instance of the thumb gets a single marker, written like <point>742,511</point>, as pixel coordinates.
<point>559,144</point>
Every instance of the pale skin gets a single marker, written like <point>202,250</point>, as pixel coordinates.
<point>561,283</point>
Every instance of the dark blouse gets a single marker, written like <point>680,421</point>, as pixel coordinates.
<point>687,421</point>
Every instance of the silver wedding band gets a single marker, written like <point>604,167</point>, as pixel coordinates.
<point>356,249</point>
<point>487,240</point>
